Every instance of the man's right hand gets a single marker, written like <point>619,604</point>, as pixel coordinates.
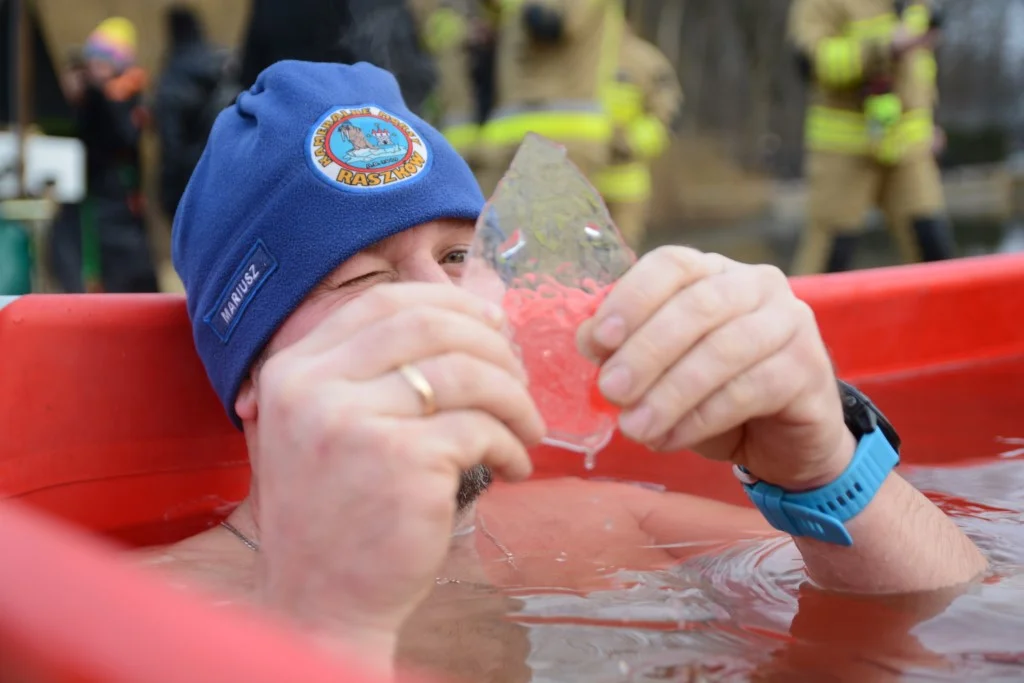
<point>356,486</point>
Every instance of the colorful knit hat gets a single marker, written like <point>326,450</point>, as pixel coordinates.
<point>114,40</point>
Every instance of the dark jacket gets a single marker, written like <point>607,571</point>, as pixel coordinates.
<point>103,241</point>
<point>185,111</point>
<point>381,32</point>
<point>111,130</point>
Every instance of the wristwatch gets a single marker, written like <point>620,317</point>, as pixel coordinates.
<point>822,512</point>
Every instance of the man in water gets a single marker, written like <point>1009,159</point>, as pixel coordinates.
<point>376,397</point>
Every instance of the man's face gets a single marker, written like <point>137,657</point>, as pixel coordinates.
<point>432,252</point>
<point>100,70</point>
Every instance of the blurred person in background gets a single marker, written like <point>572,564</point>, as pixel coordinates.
<point>484,57</point>
<point>445,27</point>
<point>384,33</point>
<point>102,244</point>
<point>186,102</point>
<point>310,30</point>
<point>645,101</point>
<point>555,61</point>
<point>870,134</point>
<point>381,32</point>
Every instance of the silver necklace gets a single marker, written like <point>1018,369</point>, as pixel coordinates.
<point>249,543</point>
<point>255,547</point>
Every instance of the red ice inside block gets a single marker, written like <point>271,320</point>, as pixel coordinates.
<point>563,383</point>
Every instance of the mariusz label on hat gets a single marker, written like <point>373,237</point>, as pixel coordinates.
<point>256,267</point>
<point>366,149</point>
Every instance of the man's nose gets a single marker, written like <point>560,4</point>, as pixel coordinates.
<point>423,269</point>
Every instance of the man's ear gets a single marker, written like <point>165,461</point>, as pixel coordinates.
<point>245,404</point>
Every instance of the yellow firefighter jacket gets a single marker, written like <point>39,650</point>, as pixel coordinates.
<point>846,46</point>
<point>644,101</point>
<point>555,89</point>
<point>444,28</point>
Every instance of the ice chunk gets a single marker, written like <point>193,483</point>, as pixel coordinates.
<point>547,250</point>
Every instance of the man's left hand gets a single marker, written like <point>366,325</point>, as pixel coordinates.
<point>720,357</point>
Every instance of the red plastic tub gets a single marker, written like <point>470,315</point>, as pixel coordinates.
<point>109,429</point>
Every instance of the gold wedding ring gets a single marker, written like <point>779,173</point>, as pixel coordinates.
<point>418,381</point>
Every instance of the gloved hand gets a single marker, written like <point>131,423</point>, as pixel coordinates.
<point>543,23</point>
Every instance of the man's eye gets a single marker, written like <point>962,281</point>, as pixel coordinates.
<point>455,257</point>
<point>366,279</point>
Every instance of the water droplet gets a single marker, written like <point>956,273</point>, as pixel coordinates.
<point>443,581</point>
<point>589,460</point>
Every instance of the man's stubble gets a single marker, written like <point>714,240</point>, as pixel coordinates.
<point>472,484</point>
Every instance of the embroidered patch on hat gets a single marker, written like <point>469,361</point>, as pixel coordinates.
<point>366,149</point>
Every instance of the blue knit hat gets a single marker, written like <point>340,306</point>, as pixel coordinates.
<point>312,165</point>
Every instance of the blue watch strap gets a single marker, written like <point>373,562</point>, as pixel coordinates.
<point>820,513</point>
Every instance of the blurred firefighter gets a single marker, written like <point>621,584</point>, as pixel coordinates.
<point>555,61</point>
<point>445,28</point>
<point>645,100</point>
<point>101,245</point>
<point>869,132</point>
<point>484,57</point>
<point>186,101</point>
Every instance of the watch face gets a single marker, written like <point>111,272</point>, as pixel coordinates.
<point>862,416</point>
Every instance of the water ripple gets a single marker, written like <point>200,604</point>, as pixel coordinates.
<point>710,618</point>
<point>727,615</point>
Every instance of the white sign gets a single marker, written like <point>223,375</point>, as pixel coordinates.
<point>61,160</point>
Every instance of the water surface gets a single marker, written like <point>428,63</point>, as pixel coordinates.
<point>746,612</point>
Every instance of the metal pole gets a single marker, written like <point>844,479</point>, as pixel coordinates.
<point>25,76</point>
<point>24,63</point>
